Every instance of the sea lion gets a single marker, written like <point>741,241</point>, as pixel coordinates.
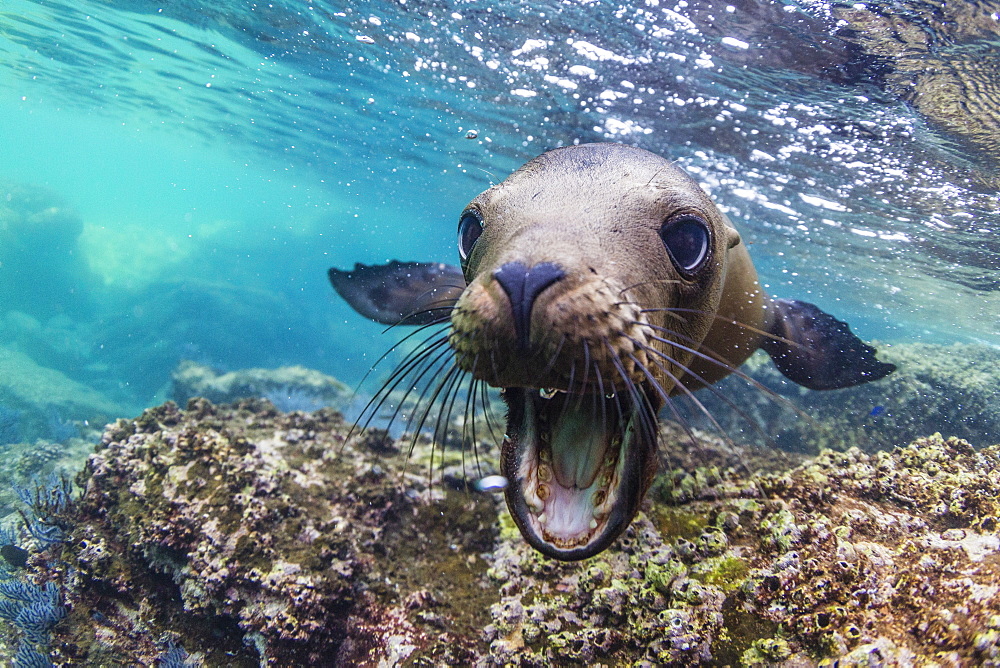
<point>600,281</point>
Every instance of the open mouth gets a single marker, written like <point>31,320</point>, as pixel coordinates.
<point>578,466</point>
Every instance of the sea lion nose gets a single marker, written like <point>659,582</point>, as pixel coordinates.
<point>523,285</point>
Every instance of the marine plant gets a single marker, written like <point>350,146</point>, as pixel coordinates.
<point>50,506</point>
<point>175,656</point>
<point>33,610</point>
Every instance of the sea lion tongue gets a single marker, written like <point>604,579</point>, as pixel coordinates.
<point>576,466</point>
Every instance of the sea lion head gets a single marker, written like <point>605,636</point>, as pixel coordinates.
<point>593,274</point>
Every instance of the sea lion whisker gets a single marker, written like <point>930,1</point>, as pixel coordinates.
<point>412,359</point>
<point>490,423</point>
<point>554,358</point>
<point>717,359</point>
<point>688,394</point>
<point>452,383</point>
<point>419,312</point>
<point>603,394</point>
<point>437,364</point>
<point>569,393</point>
<point>731,321</point>
<point>424,413</point>
<point>675,316</point>
<point>720,361</point>
<point>384,355</point>
<point>419,364</point>
<point>664,394</point>
<point>470,417</point>
<point>586,367</point>
<point>493,362</point>
<point>655,281</point>
<point>448,405</point>
<point>639,399</point>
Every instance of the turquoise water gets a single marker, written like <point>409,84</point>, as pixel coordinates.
<point>208,165</point>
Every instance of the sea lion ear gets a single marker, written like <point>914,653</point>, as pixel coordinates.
<point>732,237</point>
<point>400,293</point>
<point>817,351</point>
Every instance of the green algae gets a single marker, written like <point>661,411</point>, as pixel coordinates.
<point>726,572</point>
<point>678,521</point>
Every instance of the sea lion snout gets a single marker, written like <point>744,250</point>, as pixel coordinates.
<point>542,327</point>
<point>523,285</point>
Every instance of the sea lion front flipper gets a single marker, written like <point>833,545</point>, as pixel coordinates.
<point>400,293</point>
<point>817,351</point>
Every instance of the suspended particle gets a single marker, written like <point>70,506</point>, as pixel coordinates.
<point>491,483</point>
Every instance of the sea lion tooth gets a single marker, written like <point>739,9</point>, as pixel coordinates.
<point>605,273</point>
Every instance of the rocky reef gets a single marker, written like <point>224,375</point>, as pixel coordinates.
<point>239,535</point>
<point>289,388</point>
<point>953,389</point>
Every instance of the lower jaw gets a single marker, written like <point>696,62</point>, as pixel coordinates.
<point>635,466</point>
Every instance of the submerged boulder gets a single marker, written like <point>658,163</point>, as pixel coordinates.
<point>953,389</point>
<point>289,388</point>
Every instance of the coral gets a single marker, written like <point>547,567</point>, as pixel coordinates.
<point>850,558</point>
<point>50,508</point>
<point>262,538</point>
<point>33,610</point>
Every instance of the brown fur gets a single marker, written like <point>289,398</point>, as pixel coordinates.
<point>616,265</point>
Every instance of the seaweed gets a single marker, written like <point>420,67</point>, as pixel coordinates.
<point>50,509</point>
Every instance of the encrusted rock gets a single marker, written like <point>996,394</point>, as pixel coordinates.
<point>250,537</point>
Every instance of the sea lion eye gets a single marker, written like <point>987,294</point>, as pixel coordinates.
<point>687,240</point>
<point>470,226</point>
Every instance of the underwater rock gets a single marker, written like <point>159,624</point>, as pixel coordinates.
<point>40,393</point>
<point>38,240</point>
<point>892,558</point>
<point>289,388</point>
<point>954,388</point>
<point>47,421</point>
<point>250,537</point>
